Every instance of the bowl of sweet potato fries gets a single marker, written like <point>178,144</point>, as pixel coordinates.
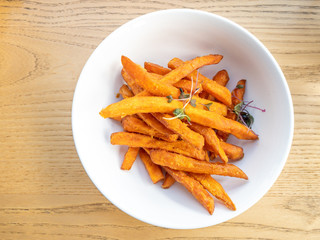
<point>182,119</point>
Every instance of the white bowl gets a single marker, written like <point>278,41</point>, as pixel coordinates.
<point>158,37</point>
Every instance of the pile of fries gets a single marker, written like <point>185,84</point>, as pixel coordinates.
<point>178,121</point>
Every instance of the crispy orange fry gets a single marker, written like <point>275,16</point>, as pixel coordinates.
<point>211,140</point>
<point>180,128</point>
<point>133,124</point>
<point>155,68</point>
<point>233,152</point>
<point>214,188</point>
<point>144,80</point>
<point>216,121</point>
<point>154,170</point>
<point>168,181</point>
<point>238,92</point>
<point>135,105</point>
<point>185,68</point>
<point>210,86</point>
<point>210,105</point>
<point>125,91</point>
<point>138,140</point>
<point>129,158</point>
<point>194,187</point>
<point>222,77</point>
<point>183,163</point>
<point>237,97</point>
<point>131,82</point>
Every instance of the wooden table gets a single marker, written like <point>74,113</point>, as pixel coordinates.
<point>44,190</point>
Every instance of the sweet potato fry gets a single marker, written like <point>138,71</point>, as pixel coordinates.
<point>155,68</point>
<point>185,68</point>
<point>131,82</point>
<point>222,77</point>
<point>183,163</point>
<point>238,92</point>
<point>237,97</point>
<point>154,170</point>
<point>168,181</point>
<point>211,140</point>
<point>125,91</point>
<point>233,152</point>
<point>216,121</point>
<point>210,86</point>
<point>214,188</point>
<point>138,140</point>
<point>194,187</point>
<point>143,79</point>
<point>180,128</point>
<point>129,158</point>
<point>133,124</point>
<point>135,105</point>
<point>210,105</point>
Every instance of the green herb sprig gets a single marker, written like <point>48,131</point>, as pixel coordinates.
<point>243,116</point>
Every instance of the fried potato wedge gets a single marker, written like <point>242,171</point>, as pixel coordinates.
<point>135,105</point>
<point>155,68</point>
<point>216,121</point>
<point>210,86</point>
<point>237,97</point>
<point>206,104</point>
<point>138,140</point>
<point>221,77</point>
<point>131,82</point>
<point>148,83</point>
<point>133,124</point>
<point>185,68</point>
<point>183,163</point>
<point>194,187</point>
<point>211,140</point>
<point>214,188</point>
<point>233,152</point>
<point>153,170</point>
<point>180,128</point>
<point>125,91</point>
<point>130,158</point>
<point>238,92</point>
<point>168,181</point>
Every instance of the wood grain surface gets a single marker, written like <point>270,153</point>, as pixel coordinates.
<point>44,190</point>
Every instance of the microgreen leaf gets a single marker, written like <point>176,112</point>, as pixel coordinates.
<point>247,118</point>
<point>169,98</point>
<point>183,94</point>
<point>188,118</point>
<point>193,102</point>
<point>208,105</point>
<point>239,86</point>
<point>179,113</point>
<point>238,108</point>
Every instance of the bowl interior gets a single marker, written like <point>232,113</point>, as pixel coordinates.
<point>158,37</point>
